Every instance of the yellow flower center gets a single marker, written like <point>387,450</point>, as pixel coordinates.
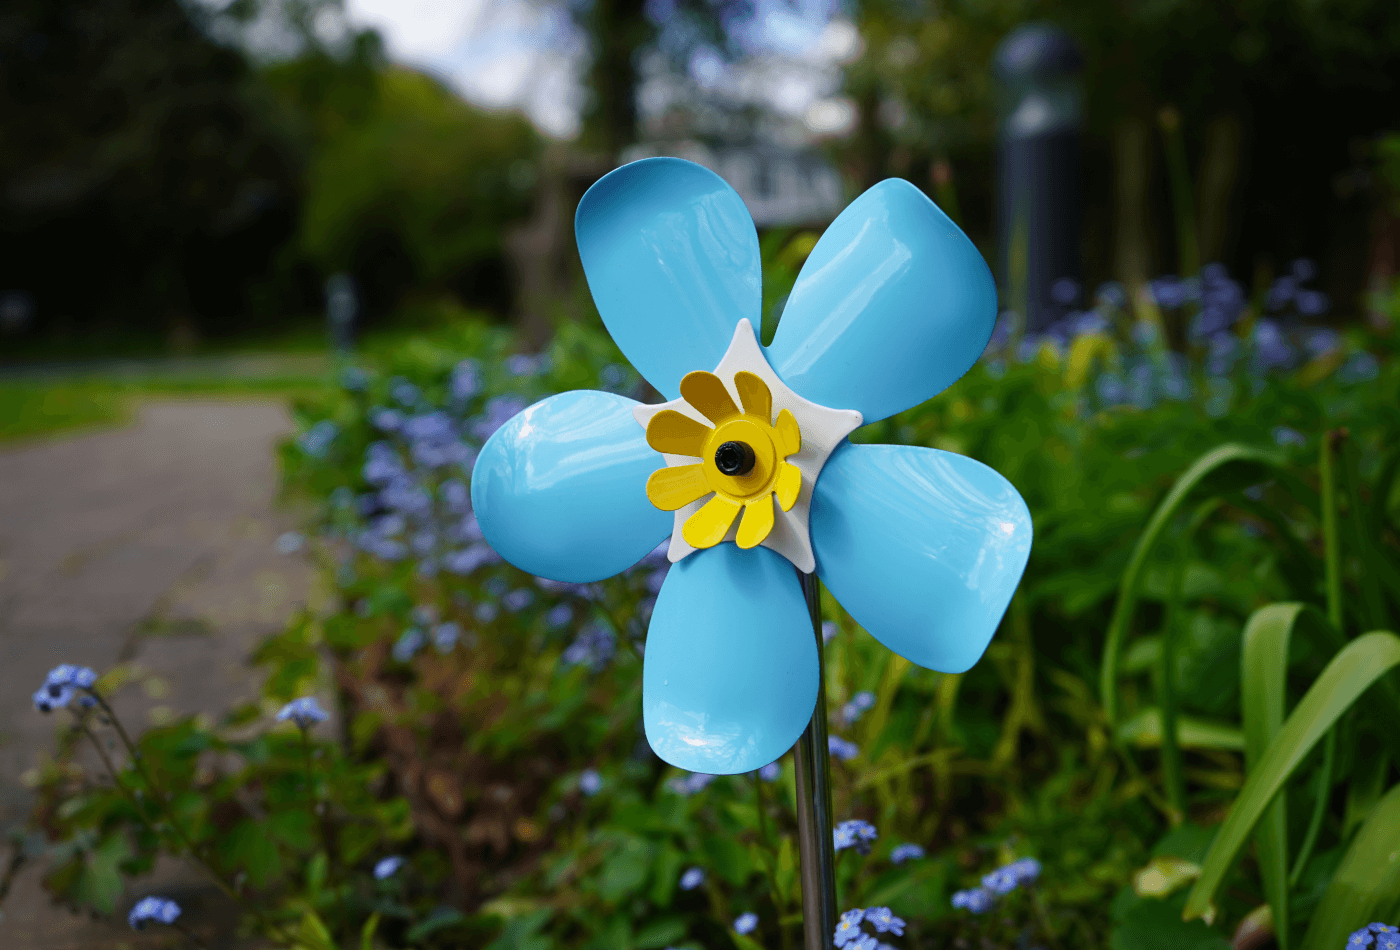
<point>742,461</point>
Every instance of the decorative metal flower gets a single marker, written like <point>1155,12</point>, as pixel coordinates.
<point>922,547</point>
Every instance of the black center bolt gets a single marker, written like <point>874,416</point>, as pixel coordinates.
<point>734,458</point>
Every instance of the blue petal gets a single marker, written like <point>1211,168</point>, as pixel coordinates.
<point>671,256</point>
<point>560,489</point>
<point>893,304</point>
<point>923,548</point>
<point>730,676</point>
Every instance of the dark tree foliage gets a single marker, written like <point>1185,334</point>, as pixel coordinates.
<point>410,189</point>
<point>142,176</point>
<point>1308,83</point>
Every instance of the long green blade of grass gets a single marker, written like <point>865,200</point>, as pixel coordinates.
<point>1173,769</point>
<point>1192,478</point>
<point>1331,543</point>
<point>1363,525</point>
<point>1263,697</point>
<point>1350,673</point>
<point>1366,886</point>
<point>1263,705</point>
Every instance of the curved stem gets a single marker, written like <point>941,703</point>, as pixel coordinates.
<point>1332,551</point>
<point>1173,773</point>
<point>164,805</point>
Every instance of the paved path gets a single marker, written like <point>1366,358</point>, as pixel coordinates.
<point>153,544</point>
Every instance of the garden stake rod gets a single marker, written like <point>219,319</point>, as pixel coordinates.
<point>812,762</point>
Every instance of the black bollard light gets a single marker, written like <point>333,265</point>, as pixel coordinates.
<point>342,306</point>
<point>1039,185</point>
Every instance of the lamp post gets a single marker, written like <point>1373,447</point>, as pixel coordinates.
<point>1039,170</point>
<point>342,306</point>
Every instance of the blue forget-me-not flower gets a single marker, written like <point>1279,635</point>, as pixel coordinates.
<point>884,921</point>
<point>843,750</point>
<point>848,929</point>
<point>153,908</point>
<point>854,834</point>
<point>305,712</point>
<point>978,900</point>
<point>905,852</point>
<point>387,867</point>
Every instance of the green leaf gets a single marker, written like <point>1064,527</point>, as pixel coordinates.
<point>316,875</point>
<point>356,841</point>
<point>295,829</point>
<point>625,871</point>
<point>1192,732</point>
<point>1164,876</point>
<point>1208,465</point>
<point>440,919</point>
<point>1351,672</point>
<point>1151,924</point>
<point>745,943</point>
<point>665,872</point>
<point>1366,886</point>
<point>367,933</point>
<point>659,933</point>
<point>729,858</point>
<point>786,873</point>
<point>1364,790</point>
<point>99,882</point>
<point>313,934</point>
<point>1263,701</point>
<point>251,849</point>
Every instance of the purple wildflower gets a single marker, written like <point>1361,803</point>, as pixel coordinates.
<point>387,867</point>
<point>152,908</point>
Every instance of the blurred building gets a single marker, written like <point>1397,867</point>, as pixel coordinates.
<point>782,187</point>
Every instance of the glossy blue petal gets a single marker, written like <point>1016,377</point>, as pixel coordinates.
<point>923,548</point>
<point>893,304</point>
<point>730,675</point>
<point>560,489</point>
<point>671,256</point>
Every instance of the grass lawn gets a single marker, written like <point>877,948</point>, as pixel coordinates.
<point>33,409</point>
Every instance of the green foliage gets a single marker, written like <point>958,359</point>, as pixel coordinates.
<point>1359,665</point>
<point>509,765</point>
<point>435,178</point>
<point>1356,589</point>
<point>1366,885</point>
<point>29,410</point>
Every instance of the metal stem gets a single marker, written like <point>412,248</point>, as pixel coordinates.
<point>812,759</point>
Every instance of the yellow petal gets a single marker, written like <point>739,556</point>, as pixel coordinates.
<point>754,394</point>
<point>787,486</point>
<point>708,526</point>
<point>705,392</point>
<point>788,433</point>
<point>672,432</point>
<point>758,521</point>
<point>673,488</point>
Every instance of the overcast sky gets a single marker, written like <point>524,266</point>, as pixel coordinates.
<point>527,54</point>
<point>495,52</point>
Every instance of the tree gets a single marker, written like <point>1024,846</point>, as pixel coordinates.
<point>141,176</point>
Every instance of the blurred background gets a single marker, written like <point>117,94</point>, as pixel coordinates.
<point>182,177</point>
<point>272,271</point>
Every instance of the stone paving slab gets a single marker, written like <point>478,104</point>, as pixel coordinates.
<point>153,544</point>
